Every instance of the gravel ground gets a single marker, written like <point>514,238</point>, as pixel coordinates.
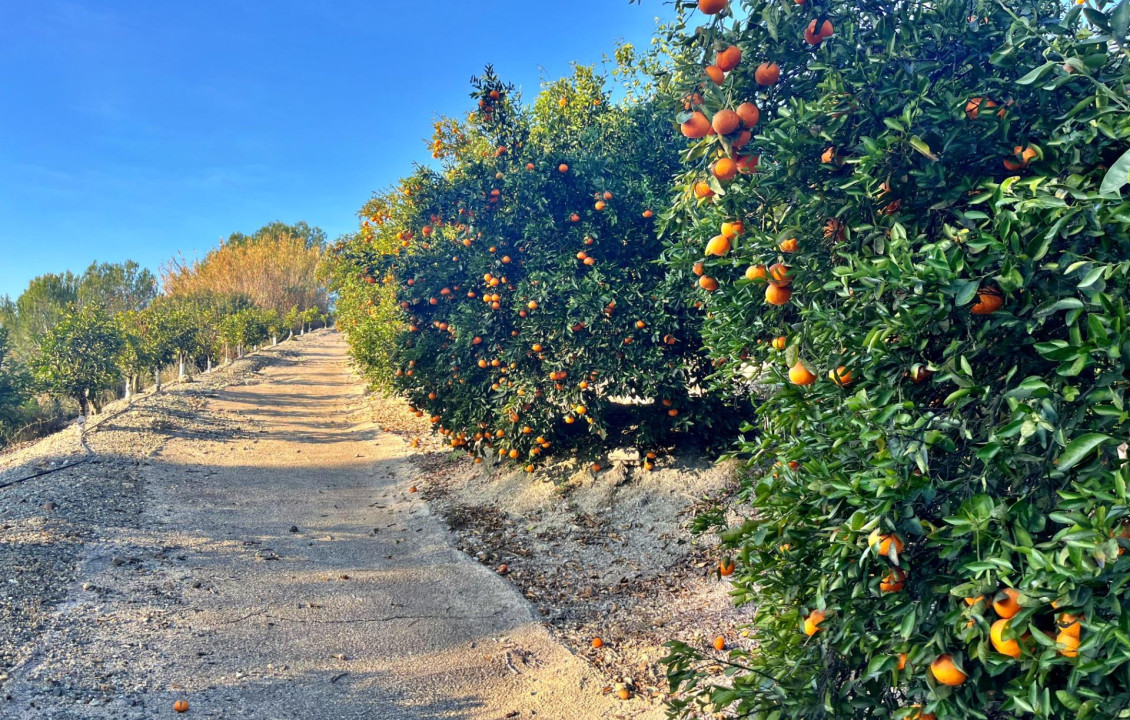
<point>83,520</point>
<point>605,555</point>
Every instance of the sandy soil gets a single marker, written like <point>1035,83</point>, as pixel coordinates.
<point>249,543</point>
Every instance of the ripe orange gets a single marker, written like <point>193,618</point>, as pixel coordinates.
<point>741,140</point>
<point>726,568</point>
<point>788,246</point>
<point>1069,642</point>
<point>711,7</point>
<point>715,74</point>
<point>779,275</point>
<point>946,672</point>
<point>733,229</point>
<point>755,272</point>
<point>1004,647</point>
<point>902,661</point>
<point>563,168</point>
<point>719,245</point>
<point>894,581</point>
<point>812,622</point>
<point>749,114</point>
<point>699,268</point>
<point>596,467</point>
<point>599,205</point>
<point>624,693</point>
<point>919,715</point>
<point>988,302</point>
<point>725,169</point>
<point>780,342</point>
<point>884,542</point>
<point>1005,603</point>
<point>973,107</point>
<point>180,706</point>
<point>696,126</point>
<point>777,295</point>
<point>703,190</point>
<point>800,375</point>
<point>726,121</point>
<point>841,376</point>
<point>719,643</point>
<point>729,58</point>
<point>814,36</point>
<point>597,642</point>
<point>747,164</point>
<point>767,73</point>
<point>648,213</point>
<point>708,283</point>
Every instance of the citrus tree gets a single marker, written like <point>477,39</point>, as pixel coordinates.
<point>908,226</point>
<point>532,312</point>
<point>13,388</point>
<point>77,358</point>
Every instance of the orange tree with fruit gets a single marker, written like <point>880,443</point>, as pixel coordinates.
<point>908,224</point>
<point>532,314</point>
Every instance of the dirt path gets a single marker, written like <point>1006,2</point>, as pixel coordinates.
<point>280,568</point>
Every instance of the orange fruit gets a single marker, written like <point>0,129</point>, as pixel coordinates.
<point>1070,644</point>
<point>597,642</point>
<point>624,693</point>
<point>814,35</point>
<point>719,245</point>
<point>812,622</point>
<point>894,581</point>
<point>1005,604</point>
<point>726,568</point>
<point>800,375</point>
<point>729,58</point>
<point>919,715</point>
<point>715,73</point>
<point>711,7</point>
<point>946,672</point>
<point>1069,624</point>
<point>767,73</point>
<point>741,140</point>
<point>596,467</point>
<point>696,126</point>
<point>1004,647</point>
<point>698,268</point>
<point>180,706</point>
<point>902,661</point>
<point>973,107</point>
<point>841,376</point>
<point>747,164</point>
<point>884,542</point>
<point>788,246</point>
<point>708,283</point>
<point>563,168</point>
<point>719,643</point>
<point>777,295</point>
<point>779,275</point>
<point>599,205</point>
<point>725,169</point>
<point>733,229</point>
<point>702,189</point>
<point>988,302</point>
<point>971,601</point>
<point>780,342</point>
<point>755,272</point>
<point>726,122</point>
<point>749,114</point>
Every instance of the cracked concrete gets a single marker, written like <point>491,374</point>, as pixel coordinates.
<point>284,570</point>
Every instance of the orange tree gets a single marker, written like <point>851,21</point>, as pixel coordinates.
<point>534,315</point>
<point>929,281</point>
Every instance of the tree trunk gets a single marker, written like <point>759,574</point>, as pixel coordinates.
<point>209,363</point>
<point>274,340</point>
<point>291,335</point>
<point>180,370</point>
<point>157,380</point>
<point>129,387</point>
<point>239,350</point>
<point>83,404</point>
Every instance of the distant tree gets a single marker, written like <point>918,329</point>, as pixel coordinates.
<point>277,271</point>
<point>78,357</point>
<point>244,329</point>
<point>13,387</point>
<point>136,355</point>
<point>311,236</point>
<point>37,310</point>
<point>117,287</point>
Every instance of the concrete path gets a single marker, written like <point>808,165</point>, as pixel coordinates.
<point>310,583</point>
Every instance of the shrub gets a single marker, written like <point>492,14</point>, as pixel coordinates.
<point>951,173</point>
<point>536,316</point>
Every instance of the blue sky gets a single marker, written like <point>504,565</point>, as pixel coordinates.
<point>139,129</point>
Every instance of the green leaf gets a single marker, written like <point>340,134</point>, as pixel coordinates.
<point>1034,75</point>
<point>920,145</point>
<point>1078,449</point>
<point>1117,176</point>
<point>1120,21</point>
